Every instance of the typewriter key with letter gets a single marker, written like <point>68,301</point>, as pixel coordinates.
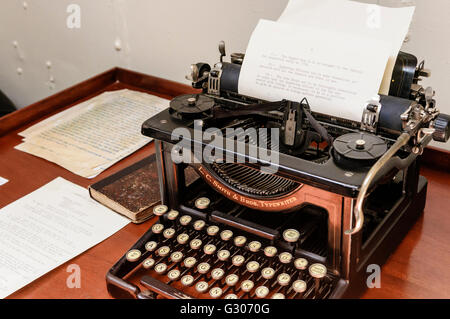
<point>254,246</point>
<point>212,230</point>
<point>182,238</point>
<point>201,286</point>
<point>199,224</point>
<point>157,228</point>
<point>226,235</point>
<point>185,220</point>
<point>231,280</point>
<point>262,292</point>
<point>202,203</point>
<point>187,280</point>
<point>173,214</point>
<point>317,271</point>
<point>209,249</point>
<point>160,210</point>
<point>176,256</point>
<point>215,292</point>
<point>291,235</point>
<point>270,251</point>
<point>133,255</point>
<point>174,274</point>
<point>148,263</point>
<point>240,241</point>
<point>151,245</point>
<point>223,254</point>
<point>217,273</point>
<point>285,257</point>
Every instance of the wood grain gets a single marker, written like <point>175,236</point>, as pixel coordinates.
<point>417,269</point>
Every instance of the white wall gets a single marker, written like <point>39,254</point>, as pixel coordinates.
<point>163,38</point>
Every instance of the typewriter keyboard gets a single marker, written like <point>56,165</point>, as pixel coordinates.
<point>188,256</point>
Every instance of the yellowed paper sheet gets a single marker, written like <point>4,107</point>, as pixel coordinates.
<point>95,134</point>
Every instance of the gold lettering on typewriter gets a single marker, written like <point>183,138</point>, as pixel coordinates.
<point>276,204</point>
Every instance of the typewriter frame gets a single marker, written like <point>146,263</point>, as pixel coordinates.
<point>326,186</point>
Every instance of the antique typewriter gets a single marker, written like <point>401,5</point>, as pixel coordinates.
<point>342,197</point>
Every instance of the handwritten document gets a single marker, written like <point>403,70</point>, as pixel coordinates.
<point>338,69</point>
<point>48,227</point>
<point>90,137</point>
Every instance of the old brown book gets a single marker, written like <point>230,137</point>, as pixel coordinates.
<point>132,191</point>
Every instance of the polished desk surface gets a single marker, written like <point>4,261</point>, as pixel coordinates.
<point>419,268</point>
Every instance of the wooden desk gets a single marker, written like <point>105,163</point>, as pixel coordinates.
<point>418,269</point>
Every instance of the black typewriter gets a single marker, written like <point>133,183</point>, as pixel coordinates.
<point>342,196</point>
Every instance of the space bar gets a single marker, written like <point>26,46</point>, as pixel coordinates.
<point>163,289</point>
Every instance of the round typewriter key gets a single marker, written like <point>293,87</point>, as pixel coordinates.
<point>238,260</point>
<point>203,268</point>
<point>215,292</point>
<point>254,246</point>
<point>223,254</point>
<point>317,271</point>
<point>299,286</point>
<point>157,228</point>
<point>164,251</point>
<point>217,273</point>
<point>151,245</point>
<point>240,241</point>
<point>301,263</point>
<point>270,251</point>
<point>285,257</point>
<point>176,256</point>
<point>252,266</point>
<point>202,203</point>
<point>174,274</point>
<point>169,233</point>
<point>268,273</point>
<point>212,230</point>
<point>173,214</point>
<point>283,279</point>
<point>247,285</point>
<point>187,280</point>
<point>232,279</point>
<point>133,255</point>
<point>262,292</point>
<point>182,238</point>
<point>148,263</point>
<point>195,243</point>
<point>209,249</point>
<point>226,235</point>
<point>231,296</point>
<point>291,235</point>
<point>199,224</point>
<point>190,262</point>
<point>185,220</point>
<point>161,268</point>
<point>201,286</point>
<point>160,210</point>
<point>278,296</point>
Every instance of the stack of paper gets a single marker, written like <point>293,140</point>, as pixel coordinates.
<point>93,135</point>
<point>337,53</point>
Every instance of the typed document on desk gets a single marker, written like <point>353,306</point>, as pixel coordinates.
<point>47,228</point>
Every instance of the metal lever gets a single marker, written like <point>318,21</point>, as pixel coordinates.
<point>359,213</point>
<point>163,289</point>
